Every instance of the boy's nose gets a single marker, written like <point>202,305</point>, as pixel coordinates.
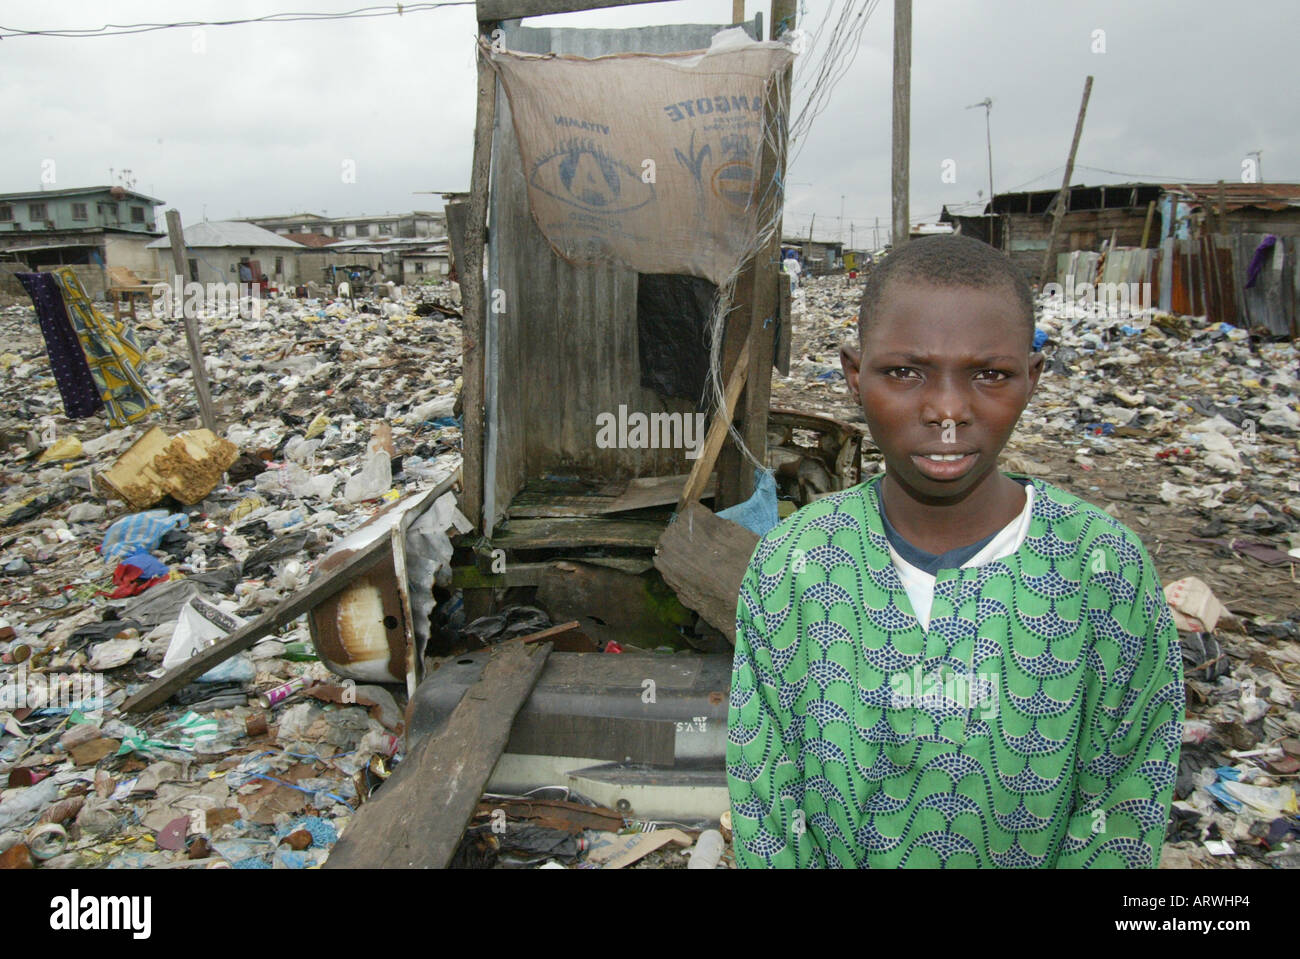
<point>944,403</point>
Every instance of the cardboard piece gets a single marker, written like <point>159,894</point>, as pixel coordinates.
<point>187,466</point>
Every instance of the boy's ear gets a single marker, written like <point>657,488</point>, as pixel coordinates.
<point>1036,362</point>
<point>851,364</point>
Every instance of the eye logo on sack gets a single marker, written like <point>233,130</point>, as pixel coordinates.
<point>583,175</point>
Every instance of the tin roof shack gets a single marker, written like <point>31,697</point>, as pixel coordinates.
<point>215,249</point>
<point>816,256</point>
<point>584,391</point>
<point>1020,223</point>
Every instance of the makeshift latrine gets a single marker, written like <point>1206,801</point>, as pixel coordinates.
<point>629,183</point>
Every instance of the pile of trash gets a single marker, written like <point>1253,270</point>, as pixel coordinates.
<point>1188,431</point>
<point>123,552</point>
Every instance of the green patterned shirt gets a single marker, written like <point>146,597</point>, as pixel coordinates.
<point>1037,722</point>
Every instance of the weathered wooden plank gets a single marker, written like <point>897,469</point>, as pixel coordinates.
<point>474,302</point>
<point>553,532</point>
<point>417,819</point>
<point>703,557</point>
<point>489,10</point>
<point>158,692</point>
<point>717,430</point>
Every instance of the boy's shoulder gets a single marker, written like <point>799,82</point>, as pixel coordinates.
<point>1068,517</point>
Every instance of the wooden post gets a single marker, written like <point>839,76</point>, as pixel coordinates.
<point>737,11</point>
<point>902,118</point>
<point>474,300</point>
<point>177,238</point>
<point>1222,209</point>
<point>1062,198</point>
<point>1146,227</point>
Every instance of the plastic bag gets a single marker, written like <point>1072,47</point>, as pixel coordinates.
<point>139,531</point>
<point>199,626</point>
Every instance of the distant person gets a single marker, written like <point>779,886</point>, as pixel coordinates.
<point>792,269</point>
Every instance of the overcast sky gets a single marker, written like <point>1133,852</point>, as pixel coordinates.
<point>259,119</point>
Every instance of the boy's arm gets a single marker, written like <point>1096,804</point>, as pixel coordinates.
<point>1133,722</point>
<point>758,764</point>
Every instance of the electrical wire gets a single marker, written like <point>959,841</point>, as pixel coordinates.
<point>123,29</point>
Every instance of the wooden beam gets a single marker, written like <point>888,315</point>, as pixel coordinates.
<point>490,10</point>
<point>902,120</point>
<point>1146,227</point>
<point>159,691</point>
<point>1062,198</point>
<point>192,338</point>
<point>417,819</point>
<point>703,558</point>
<point>563,532</point>
<point>717,431</point>
<point>474,301</point>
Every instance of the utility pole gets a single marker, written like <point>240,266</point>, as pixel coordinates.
<point>987,104</point>
<point>810,226</point>
<point>737,11</point>
<point>902,118</point>
<point>876,246</point>
<point>1063,198</point>
<point>839,235</point>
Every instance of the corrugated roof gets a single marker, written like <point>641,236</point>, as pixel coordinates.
<point>313,240</point>
<point>1266,196</point>
<point>227,233</point>
<point>74,191</point>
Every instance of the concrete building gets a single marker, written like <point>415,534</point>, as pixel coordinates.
<point>420,223</point>
<point>215,251</point>
<point>90,228</point>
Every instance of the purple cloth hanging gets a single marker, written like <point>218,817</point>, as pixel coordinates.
<point>1257,261</point>
<point>67,359</point>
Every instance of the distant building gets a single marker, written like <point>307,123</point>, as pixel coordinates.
<point>817,256</point>
<point>420,223</point>
<point>214,252</point>
<point>96,227</point>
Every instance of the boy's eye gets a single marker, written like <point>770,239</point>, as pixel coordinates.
<point>992,375</point>
<point>900,372</point>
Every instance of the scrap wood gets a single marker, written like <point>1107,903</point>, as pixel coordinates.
<point>418,817</point>
<point>637,847</point>
<point>289,609</point>
<point>703,557</point>
<point>559,814</point>
<point>718,429</point>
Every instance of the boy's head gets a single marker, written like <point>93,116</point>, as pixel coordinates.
<point>946,261</point>
<point>944,366</point>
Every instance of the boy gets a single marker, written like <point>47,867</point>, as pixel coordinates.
<point>948,666</point>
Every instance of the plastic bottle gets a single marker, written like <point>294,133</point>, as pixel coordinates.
<point>707,851</point>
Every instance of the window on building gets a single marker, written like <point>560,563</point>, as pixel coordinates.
<point>279,265</point>
<point>36,211</point>
<point>194,270</point>
<point>137,214</point>
<point>6,214</point>
<point>110,209</point>
<point>79,212</point>
<point>419,267</point>
<point>385,229</point>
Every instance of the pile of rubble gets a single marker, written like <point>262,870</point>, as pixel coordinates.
<point>123,552</point>
<point>1186,431</point>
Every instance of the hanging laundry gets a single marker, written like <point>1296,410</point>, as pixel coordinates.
<point>67,360</point>
<point>113,353</point>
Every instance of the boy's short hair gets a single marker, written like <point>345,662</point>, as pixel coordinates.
<point>945,261</point>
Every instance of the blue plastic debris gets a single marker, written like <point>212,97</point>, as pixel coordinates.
<point>1040,338</point>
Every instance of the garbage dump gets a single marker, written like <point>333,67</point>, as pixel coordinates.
<point>116,564</point>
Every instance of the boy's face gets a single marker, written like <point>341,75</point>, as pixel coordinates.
<point>943,375</point>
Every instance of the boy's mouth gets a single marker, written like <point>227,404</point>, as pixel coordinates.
<point>944,466</point>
